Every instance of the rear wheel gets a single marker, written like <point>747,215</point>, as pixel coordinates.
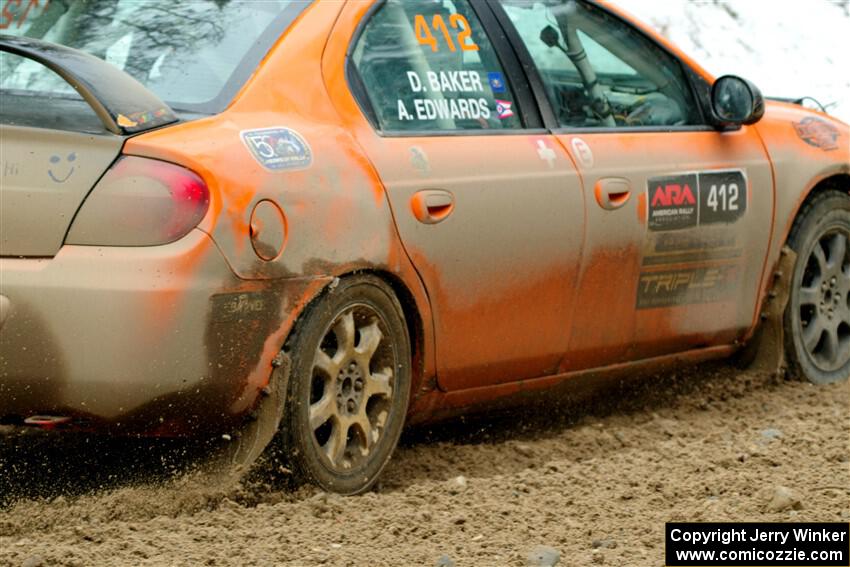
<point>817,320</point>
<point>349,388</point>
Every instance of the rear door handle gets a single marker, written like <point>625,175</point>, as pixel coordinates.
<point>431,206</point>
<point>612,192</point>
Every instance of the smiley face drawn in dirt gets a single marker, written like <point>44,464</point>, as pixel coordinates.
<point>55,171</point>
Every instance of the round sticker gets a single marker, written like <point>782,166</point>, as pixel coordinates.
<point>582,152</point>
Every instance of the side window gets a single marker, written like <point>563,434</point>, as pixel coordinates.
<point>598,71</point>
<point>427,65</point>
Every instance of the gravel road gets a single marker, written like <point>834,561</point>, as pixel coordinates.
<point>594,482</point>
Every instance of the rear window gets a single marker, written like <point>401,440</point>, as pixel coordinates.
<point>429,66</point>
<point>194,54</point>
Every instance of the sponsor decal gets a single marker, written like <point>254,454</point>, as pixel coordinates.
<point>419,160</point>
<point>686,217</point>
<point>249,306</point>
<point>817,132</point>
<point>148,116</point>
<point>582,152</point>
<point>278,149</point>
<point>497,82</point>
<point>17,12</point>
<point>63,171</point>
<point>673,202</point>
<point>687,286</point>
<point>685,247</point>
<point>504,109</point>
<point>145,117</point>
<point>546,153</point>
<point>686,200</point>
<point>124,121</point>
<point>723,197</point>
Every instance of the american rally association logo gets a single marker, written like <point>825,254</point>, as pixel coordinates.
<point>504,109</point>
<point>672,202</point>
<point>689,199</point>
<point>278,149</point>
<point>818,133</point>
<point>673,194</point>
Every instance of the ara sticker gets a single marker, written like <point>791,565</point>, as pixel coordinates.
<point>278,149</point>
<point>504,109</point>
<point>818,133</point>
<point>673,202</point>
<point>497,82</point>
<point>686,200</point>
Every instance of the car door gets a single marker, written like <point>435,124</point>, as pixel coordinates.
<point>488,205</point>
<point>678,213</point>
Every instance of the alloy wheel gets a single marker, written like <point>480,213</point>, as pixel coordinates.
<point>824,301</point>
<point>352,388</point>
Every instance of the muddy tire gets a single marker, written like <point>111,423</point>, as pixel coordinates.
<point>817,319</point>
<point>348,392</point>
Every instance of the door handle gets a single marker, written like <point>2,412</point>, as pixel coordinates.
<point>612,192</point>
<point>431,206</point>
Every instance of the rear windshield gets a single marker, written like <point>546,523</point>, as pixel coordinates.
<point>194,54</point>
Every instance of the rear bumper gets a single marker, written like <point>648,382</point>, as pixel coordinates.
<point>159,339</point>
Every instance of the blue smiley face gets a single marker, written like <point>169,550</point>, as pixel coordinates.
<point>56,162</point>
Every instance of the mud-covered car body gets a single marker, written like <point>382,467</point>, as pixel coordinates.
<point>524,257</point>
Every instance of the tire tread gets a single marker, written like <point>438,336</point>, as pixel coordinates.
<point>809,210</point>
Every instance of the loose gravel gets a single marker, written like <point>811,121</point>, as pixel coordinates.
<point>592,483</point>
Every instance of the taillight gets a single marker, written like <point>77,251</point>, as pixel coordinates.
<point>141,202</point>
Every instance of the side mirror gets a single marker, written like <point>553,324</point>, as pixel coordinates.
<point>736,101</point>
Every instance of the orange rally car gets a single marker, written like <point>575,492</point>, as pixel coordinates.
<point>313,221</point>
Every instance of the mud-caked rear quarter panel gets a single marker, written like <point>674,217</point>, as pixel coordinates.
<point>325,211</point>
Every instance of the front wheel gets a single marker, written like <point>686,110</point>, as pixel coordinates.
<point>349,388</point>
<point>817,319</point>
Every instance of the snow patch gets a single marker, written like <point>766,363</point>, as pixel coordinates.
<point>787,48</point>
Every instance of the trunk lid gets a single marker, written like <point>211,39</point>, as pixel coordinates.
<point>45,175</point>
<point>54,150</point>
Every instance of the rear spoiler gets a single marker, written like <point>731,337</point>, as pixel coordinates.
<point>123,104</point>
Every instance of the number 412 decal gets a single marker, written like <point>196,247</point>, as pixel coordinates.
<point>723,196</point>
<point>425,37</point>
<point>686,200</point>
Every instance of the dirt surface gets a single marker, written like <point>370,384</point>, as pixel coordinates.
<point>596,482</point>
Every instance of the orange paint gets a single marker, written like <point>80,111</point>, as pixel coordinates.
<point>530,279</point>
<point>641,208</point>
